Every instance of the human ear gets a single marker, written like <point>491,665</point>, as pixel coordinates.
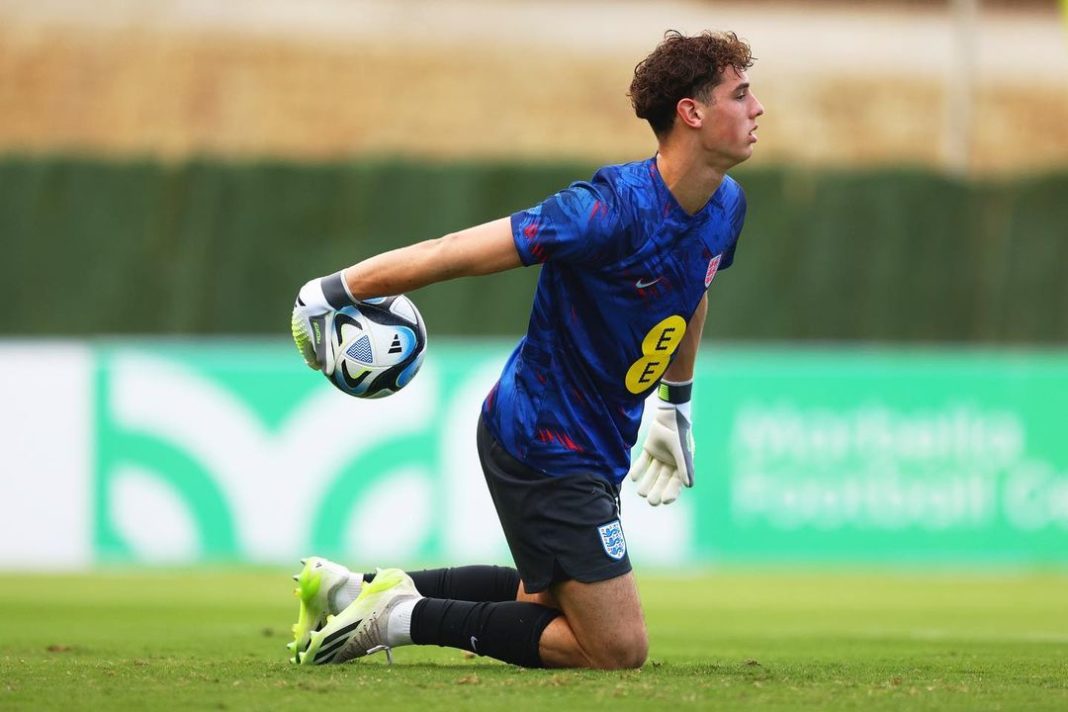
<point>690,112</point>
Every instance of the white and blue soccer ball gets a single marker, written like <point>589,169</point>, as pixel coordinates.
<point>378,346</point>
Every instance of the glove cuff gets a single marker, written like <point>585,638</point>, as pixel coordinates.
<point>336,291</point>
<point>676,393</point>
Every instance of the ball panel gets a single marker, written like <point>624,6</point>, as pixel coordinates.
<point>409,372</point>
<point>380,346</point>
<point>404,309</point>
<point>360,350</point>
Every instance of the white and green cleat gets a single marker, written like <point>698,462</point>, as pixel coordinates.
<point>324,589</point>
<point>360,629</point>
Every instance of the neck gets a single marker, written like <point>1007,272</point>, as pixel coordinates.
<point>691,181</point>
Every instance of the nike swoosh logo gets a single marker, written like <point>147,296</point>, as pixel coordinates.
<point>642,284</point>
<point>474,643</point>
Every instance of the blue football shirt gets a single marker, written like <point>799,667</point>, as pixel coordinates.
<point>624,268</point>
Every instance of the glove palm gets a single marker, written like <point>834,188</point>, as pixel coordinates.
<point>665,464</point>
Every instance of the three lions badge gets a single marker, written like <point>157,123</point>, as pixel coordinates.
<point>710,273</point>
<point>612,539</point>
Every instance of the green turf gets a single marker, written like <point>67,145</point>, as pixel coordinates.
<point>208,640</point>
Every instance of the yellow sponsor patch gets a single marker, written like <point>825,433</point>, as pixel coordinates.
<point>657,346</point>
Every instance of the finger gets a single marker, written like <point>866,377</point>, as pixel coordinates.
<point>686,466</point>
<point>663,474</point>
<point>686,474</point>
<point>329,360</point>
<point>638,467</point>
<point>683,459</point>
<point>301,338</point>
<point>648,480</point>
<point>671,490</point>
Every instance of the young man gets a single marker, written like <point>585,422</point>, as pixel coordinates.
<point>619,310</point>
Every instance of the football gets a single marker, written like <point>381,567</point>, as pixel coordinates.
<point>378,345</point>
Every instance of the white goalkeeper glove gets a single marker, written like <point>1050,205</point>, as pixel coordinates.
<point>312,310</point>
<point>665,464</point>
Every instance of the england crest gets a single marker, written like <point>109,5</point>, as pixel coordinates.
<point>612,539</point>
<point>710,273</point>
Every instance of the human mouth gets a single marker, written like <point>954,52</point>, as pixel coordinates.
<point>752,135</point>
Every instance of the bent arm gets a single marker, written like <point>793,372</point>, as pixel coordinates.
<point>482,249</point>
<point>681,369</point>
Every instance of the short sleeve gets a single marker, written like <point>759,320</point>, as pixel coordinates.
<point>577,225</point>
<point>737,221</point>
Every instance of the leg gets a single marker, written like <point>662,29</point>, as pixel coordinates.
<point>509,631</point>
<point>466,583</point>
<point>545,598</point>
<point>327,588</point>
<point>602,626</point>
<point>559,530</point>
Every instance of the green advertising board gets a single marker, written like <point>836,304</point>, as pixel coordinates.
<point>908,457</point>
<point>236,451</point>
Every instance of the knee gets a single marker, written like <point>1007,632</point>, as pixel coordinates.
<point>626,651</point>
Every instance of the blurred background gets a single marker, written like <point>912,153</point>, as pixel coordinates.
<point>884,380</point>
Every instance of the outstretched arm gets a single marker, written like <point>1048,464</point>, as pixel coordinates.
<point>478,250</point>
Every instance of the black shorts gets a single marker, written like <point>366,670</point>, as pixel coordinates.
<point>558,528</point>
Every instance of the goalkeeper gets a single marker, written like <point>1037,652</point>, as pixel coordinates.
<point>620,305</point>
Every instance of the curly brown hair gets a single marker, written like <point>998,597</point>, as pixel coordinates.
<point>683,67</point>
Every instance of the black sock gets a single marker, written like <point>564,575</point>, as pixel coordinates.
<point>508,631</point>
<point>465,583</point>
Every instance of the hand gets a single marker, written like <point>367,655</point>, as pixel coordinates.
<point>665,464</point>
<point>309,325</point>
<point>312,311</point>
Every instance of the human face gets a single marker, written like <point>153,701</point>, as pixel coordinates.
<point>728,127</point>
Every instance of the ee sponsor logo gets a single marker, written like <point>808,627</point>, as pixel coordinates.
<point>657,346</point>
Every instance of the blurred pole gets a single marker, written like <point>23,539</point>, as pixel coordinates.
<point>960,94</point>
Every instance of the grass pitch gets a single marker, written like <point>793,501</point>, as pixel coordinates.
<point>213,639</point>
